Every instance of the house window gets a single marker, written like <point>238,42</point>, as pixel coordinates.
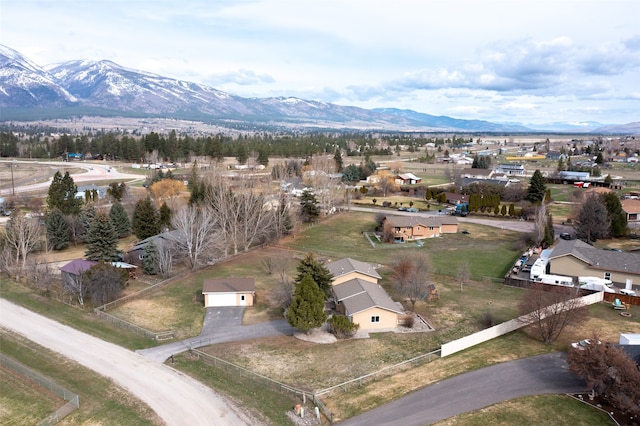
<point>418,228</point>
<point>607,276</point>
<point>375,318</point>
<point>242,297</point>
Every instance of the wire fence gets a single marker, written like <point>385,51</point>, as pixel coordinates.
<point>314,396</point>
<point>73,400</point>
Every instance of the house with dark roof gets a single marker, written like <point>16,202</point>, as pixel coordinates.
<point>136,253</point>
<point>229,292</point>
<point>577,258</point>
<point>367,304</point>
<point>411,228</point>
<point>72,271</point>
<point>347,269</point>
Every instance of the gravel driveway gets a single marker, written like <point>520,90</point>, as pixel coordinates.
<point>176,398</point>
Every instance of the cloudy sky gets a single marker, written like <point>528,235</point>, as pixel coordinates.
<point>509,61</point>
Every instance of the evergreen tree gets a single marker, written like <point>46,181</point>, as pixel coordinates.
<point>117,191</point>
<point>309,206</point>
<point>512,210</point>
<point>618,217</point>
<point>318,273</point>
<point>120,220</point>
<point>146,220</point>
<point>62,194</point>
<point>165,215</point>
<point>307,306</point>
<point>57,230</point>
<point>537,188</point>
<point>87,215</point>
<point>102,240</point>
<point>263,157</point>
<point>151,259</point>
<point>337,157</point>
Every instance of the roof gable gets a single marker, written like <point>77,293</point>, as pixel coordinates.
<point>347,265</point>
<point>359,295</point>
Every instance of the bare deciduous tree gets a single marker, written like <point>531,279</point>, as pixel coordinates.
<point>165,259</point>
<point>551,309</point>
<point>40,273</point>
<point>411,273</point>
<point>539,223</point>
<point>464,273</point>
<point>22,235</point>
<point>195,232</point>
<point>592,221</point>
<point>75,286</point>
<point>608,371</point>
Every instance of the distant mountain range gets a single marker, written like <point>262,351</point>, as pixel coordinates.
<point>103,88</point>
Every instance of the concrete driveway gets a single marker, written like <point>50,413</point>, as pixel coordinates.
<point>221,325</point>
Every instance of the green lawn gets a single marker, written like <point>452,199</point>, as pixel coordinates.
<point>557,410</point>
<point>101,401</point>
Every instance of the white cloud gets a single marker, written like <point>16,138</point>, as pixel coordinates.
<point>401,53</point>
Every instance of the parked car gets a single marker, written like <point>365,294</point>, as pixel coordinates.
<point>413,210</point>
<point>565,236</point>
<point>402,209</point>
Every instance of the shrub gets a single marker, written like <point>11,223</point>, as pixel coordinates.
<point>341,327</point>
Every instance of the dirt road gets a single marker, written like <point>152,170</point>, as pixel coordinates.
<point>175,397</point>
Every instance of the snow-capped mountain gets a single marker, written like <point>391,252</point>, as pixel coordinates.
<point>24,84</point>
<point>104,88</point>
<point>105,84</point>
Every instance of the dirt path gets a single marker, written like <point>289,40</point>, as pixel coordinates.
<point>175,397</point>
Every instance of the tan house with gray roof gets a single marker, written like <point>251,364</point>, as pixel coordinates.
<point>577,258</point>
<point>359,296</point>
<point>367,304</point>
<point>411,228</point>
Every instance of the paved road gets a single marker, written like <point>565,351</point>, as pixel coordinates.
<point>176,398</point>
<point>221,325</point>
<point>543,374</point>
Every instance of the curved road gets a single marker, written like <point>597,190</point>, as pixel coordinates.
<point>543,374</point>
<point>176,398</point>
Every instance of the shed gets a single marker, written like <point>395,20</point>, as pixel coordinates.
<point>229,292</point>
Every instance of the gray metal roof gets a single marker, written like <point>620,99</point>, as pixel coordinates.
<point>358,295</point>
<point>228,285</point>
<point>606,260</point>
<point>347,265</point>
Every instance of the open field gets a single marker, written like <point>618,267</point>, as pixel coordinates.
<point>101,401</point>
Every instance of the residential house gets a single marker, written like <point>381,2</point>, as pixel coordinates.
<point>347,269</point>
<point>229,292</point>
<point>632,209</point>
<point>407,179</point>
<point>367,304</point>
<point>577,258</point>
<point>516,169</point>
<point>411,228</point>
<point>455,198</point>
<point>74,269</point>
<point>476,173</point>
<point>164,240</point>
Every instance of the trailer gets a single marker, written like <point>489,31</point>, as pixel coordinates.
<point>555,280</point>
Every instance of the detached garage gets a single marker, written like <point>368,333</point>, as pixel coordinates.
<point>229,292</point>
